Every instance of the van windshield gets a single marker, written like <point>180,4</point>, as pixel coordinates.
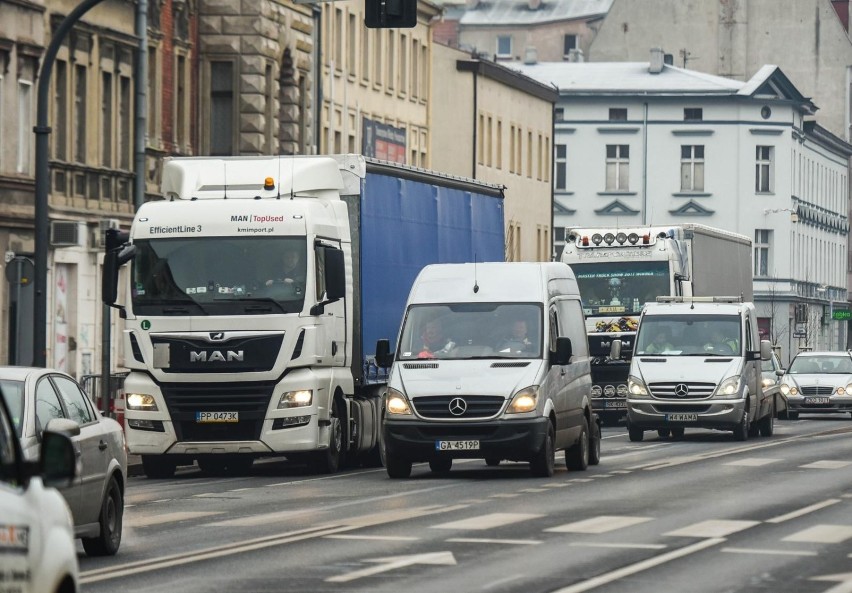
<point>472,330</point>
<point>689,335</point>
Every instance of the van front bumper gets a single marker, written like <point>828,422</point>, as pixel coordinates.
<point>652,414</point>
<point>514,440</point>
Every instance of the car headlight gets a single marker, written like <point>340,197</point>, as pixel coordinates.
<point>140,402</point>
<point>524,400</point>
<point>849,389</point>
<point>767,383</point>
<point>636,387</point>
<point>296,399</point>
<point>396,403</point>
<point>787,389</point>
<point>729,388</point>
<point>840,391</point>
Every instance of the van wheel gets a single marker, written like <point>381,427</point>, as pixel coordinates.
<point>741,432</point>
<point>577,457</point>
<point>441,465</point>
<point>492,461</point>
<point>158,466</point>
<point>110,521</point>
<point>595,445</point>
<point>397,467</point>
<point>544,462</point>
<point>636,433</point>
<point>767,424</point>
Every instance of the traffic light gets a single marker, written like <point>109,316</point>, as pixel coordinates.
<point>389,14</point>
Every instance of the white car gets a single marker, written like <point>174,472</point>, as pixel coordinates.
<point>818,382</point>
<point>37,552</point>
<point>39,399</point>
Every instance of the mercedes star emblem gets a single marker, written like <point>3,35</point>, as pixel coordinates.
<point>681,389</point>
<point>458,406</point>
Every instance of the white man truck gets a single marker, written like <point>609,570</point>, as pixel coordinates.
<point>619,269</point>
<point>234,352</point>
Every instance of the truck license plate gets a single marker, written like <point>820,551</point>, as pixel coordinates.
<point>615,404</point>
<point>456,445</point>
<point>682,417</point>
<point>211,417</point>
<point>817,400</point>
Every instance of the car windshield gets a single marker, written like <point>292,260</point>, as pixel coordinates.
<point>472,330</point>
<point>218,276</point>
<point>821,365</point>
<point>620,287</point>
<point>689,335</point>
<point>13,394</point>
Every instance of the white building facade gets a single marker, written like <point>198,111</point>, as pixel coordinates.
<point>640,143</point>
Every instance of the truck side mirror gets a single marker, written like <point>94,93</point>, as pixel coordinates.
<point>113,260</point>
<point>384,357</point>
<point>563,352</point>
<point>615,349</point>
<point>335,274</point>
<point>765,350</point>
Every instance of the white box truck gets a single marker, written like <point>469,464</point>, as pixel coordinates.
<point>619,269</point>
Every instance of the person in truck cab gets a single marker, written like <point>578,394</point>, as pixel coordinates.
<point>291,272</point>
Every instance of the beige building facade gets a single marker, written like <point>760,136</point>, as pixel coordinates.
<point>496,125</point>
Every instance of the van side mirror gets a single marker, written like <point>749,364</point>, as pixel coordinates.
<point>563,352</point>
<point>615,349</point>
<point>57,460</point>
<point>384,357</point>
<point>765,350</point>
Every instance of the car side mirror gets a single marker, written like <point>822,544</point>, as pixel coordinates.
<point>384,357</point>
<point>615,349</point>
<point>57,460</point>
<point>765,350</point>
<point>563,353</point>
<point>64,426</point>
<point>780,372</point>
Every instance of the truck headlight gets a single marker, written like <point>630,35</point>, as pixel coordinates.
<point>524,400</point>
<point>296,399</point>
<point>140,402</point>
<point>396,403</point>
<point>729,388</point>
<point>636,387</point>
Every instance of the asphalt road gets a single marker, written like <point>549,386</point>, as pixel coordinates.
<point>704,513</point>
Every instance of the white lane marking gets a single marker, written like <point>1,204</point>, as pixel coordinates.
<point>262,519</point>
<point>769,552</point>
<point>401,514</point>
<point>505,495</point>
<point>136,521</point>
<point>581,480</point>
<point>534,490</point>
<point>822,534</point>
<point>712,528</point>
<point>614,436</point>
<point>619,545</point>
<point>210,495</point>
<point>845,580</point>
<point>487,521</point>
<point>514,542</point>
<point>334,477</point>
<point>752,461</point>
<point>620,471</point>
<point>827,464</point>
<point>163,500</point>
<point>394,562</point>
<point>390,538</point>
<point>639,567</point>
<point>129,506</point>
<point>846,496</point>
<point>556,485</point>
<point>240,489</point>
<point>600,524</point>
<point>499,582</point>
<point>603,475</point>
<point>804,511</point>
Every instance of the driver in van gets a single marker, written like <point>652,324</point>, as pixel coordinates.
<point>721,343</point>
<point>517,339</point>
<point>433,340</point>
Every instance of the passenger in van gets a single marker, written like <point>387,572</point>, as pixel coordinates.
<point>434,342</point>
<point>516,339</point>
<point>660,343</point>
<point>720,343</point>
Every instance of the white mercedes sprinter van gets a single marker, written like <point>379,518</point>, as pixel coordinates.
<point>697,364</point>
<point>491,363</point>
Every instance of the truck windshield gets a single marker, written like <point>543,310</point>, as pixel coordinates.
<point>620,288</point>
<point>219,276</point>
<point>472,330</point>
<point>689,335</point>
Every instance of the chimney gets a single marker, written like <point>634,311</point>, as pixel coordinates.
<point>534,4</point>
<point>668,59</point>
<point>530,55</point>
<point>575,55</point>
<point>656,65</point>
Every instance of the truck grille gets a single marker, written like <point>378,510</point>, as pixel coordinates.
<point>818,390</point>
<point>475,406</point>
<point>675,390</point>
<point>250,400</point>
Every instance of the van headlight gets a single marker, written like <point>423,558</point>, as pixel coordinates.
<point>524,400</point>
<point>396,403</point>
<point>636,387</point>
<point>296,399</point>
<point>729,388</point>
<point>141,402</point>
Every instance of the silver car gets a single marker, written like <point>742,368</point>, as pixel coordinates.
<point>818,382</point>
<point>40,398</point>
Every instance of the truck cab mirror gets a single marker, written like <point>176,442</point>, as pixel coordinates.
<point>615,349</point>
<point>113,260</point>
<point>765,350</point>
<point>57,461</point>
<point>384,357</point>
<point>335,274</point>
<point>383,14</point>
<point>563,352</point>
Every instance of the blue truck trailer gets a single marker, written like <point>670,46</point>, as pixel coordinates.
<point>257,291</point>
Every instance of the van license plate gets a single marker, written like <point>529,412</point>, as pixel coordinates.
<point>211,417</point>
<point>682,417</point>
<point>456,445</point>
<point>615,404</point>
<point>817,400</point>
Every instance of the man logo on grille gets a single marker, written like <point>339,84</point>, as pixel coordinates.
<point>458,406</point>
<point>217,336</point>
<point>681,389</point>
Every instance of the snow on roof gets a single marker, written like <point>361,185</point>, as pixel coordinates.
<point>518,12</point>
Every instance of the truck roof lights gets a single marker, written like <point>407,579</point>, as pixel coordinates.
<point>621,238</point>
<point>609,238</point>
<point>585,241</point>
<point>646,238</point>
<point>597,238</point>
<point>633,238</point>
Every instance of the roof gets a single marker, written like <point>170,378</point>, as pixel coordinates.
<point>18,373</point>
<point>824,353</point>
<point>518,12</point>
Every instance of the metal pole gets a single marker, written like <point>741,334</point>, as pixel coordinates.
<point>18,332</point>
<point>105,393</point>
<point>42,216</point>
<point>141,101</point>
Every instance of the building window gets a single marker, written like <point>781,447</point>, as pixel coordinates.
<point>415,70</point>
<point>559,114</point>
<point>25,125</point>
<point>763,169</point>
<point>60,117</point>
<point>377,55</point>
<point>692,168</point>
<point>106,119</point>
<point>153,96</point>
<point>617,167</point>
<point>504,46</point>
<point>499,145</point>
<point>403,64</point>
<point>181,100</point>
<point>351,50</point>
<point>560,173</point>
<point>337,40</point>
<point>693,114</point>
<point>618,114</point>
<point>125,140</point>
<point>529,154</point>
<point>365,53</point>
<point>569,42</point>
<point>80,113</point>
<point>391,54</point>
<point>762,243</point>
<point>221,108</point>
